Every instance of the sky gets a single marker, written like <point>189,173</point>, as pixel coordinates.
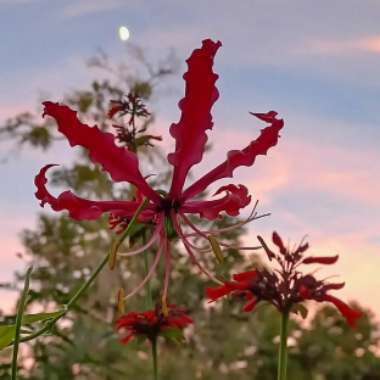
<point>315,63</point>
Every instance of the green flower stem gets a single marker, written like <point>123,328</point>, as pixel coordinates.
<point>283,351</point>
<point>155,359</point>
<point>20,313</point>
<point>87,284</point>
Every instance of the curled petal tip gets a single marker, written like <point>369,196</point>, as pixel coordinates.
<point>40,181</point>
<point>268,117</point>
<point>47,105</point>
<point>209,43</point>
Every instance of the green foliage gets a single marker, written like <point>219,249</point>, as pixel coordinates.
<point>7,330</point>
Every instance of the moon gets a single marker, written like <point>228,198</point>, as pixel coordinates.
<point>124,33</point>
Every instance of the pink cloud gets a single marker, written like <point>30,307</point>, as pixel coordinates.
<point>7,111</point>
<point>9,261</point>
<point>336,170</point>
<point>294,163</point>
<point>370,44</point>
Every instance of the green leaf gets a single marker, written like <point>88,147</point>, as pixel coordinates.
<point>7,332</point>
<point>39,317</point>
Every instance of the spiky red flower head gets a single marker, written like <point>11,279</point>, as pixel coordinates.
<point>285,286</point>
<point>152,323</point>
<point>169,209</point>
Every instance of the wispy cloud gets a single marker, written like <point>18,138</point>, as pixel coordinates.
<point>84,7</point>
<point>16,2</point>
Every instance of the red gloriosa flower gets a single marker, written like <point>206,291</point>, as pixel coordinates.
<point>165,211</point>
<point>152,323</point>
<point>285,286</point>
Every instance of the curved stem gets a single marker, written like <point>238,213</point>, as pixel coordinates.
<point>20,313</point>
<point>166,278</point>
<point>86,285</point>
<point>155,359</point>
<point>283,350</point>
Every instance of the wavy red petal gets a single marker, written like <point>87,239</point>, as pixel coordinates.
<point>190,132</point>
<point>325,260</point>
<point>79,208</point>
<point>245,157</point>
<point>236,197</point>
<point>119,162</point>
<point>350,314</point>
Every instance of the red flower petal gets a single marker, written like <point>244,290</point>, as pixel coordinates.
<point>79,208</point>
<point>215,293</point>
<point>301,249</point>
<point>321,260</point>
<point>122,164</point>
<point>127,338</point>
<point>180,322</point>
<point>246,157</point>
<point>245,276</point>
<point>190,131</point>
<point>278,241</point>
<point>271,255</point>
<point>304,292</point>
<point>250,305</point>
<point>334,286</point>
<point>236,198</point>
<point>350,314</point>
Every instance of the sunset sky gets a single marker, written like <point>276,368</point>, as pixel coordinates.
<point>316,63</point>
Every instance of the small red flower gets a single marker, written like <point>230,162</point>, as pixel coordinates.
<point>167,212</point>
<point>152,323</point>
<point>285,286</point>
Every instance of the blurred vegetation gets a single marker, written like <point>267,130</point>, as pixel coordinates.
<point>224,342</point>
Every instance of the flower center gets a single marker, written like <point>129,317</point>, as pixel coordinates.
<point>167,205</point>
